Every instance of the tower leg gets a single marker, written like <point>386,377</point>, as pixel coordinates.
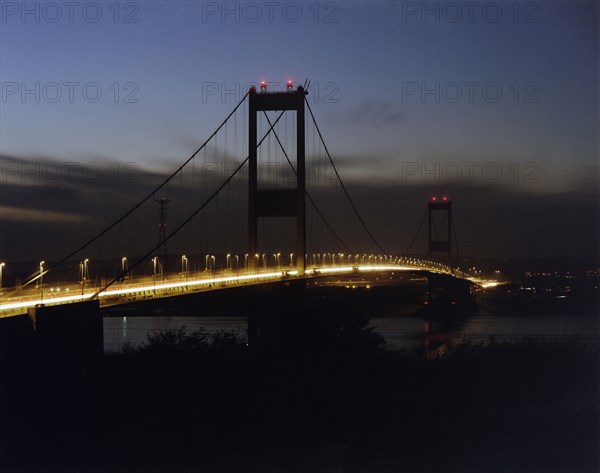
<point>252,187</point>
<point>301,184</point>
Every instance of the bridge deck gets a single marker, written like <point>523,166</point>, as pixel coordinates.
<point>179,284</point>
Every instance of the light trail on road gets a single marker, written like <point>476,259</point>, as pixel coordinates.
<point>148,289</point>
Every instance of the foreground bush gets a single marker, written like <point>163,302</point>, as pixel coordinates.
<point>323,396</point>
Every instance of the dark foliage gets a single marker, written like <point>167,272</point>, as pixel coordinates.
<point>317,395</point>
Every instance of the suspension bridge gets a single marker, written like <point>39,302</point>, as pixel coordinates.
<point>261,200</point>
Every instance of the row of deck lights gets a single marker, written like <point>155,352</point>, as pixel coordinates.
<point>232,261</point>
<point>210,263</point>
<point>261,260</point>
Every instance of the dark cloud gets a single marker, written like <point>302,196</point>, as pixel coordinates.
<point>46,197</point>
<point>376,112</point>
<point>496,220</point>
<point>499,221</point>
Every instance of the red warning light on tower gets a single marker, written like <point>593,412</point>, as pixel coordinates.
<point>263,86</point>
<point>289,85</point>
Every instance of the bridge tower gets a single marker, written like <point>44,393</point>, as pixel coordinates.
<point>443,289</point>
<point>271,203</point>
<point>440,238</point>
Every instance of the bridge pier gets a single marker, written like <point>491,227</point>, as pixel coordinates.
<point>443,289</point>
<point>63,334</point>
<point>271,313</point>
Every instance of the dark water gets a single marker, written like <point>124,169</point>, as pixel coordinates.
<point>413,332</point>
<point>402,331</point>
<point>135,330</point>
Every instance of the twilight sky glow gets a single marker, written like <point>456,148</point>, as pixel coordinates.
<point>412,97</point>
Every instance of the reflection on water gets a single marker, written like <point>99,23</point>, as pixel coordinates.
<point>415,332</point>
<point>119,331</point>
<point>402,332</point>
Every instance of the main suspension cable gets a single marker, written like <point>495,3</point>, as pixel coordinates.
<point>342,182</point>
<point>189,219</point>
<point>333,232</point>
<point>405,253</point>
<point>151,194</point>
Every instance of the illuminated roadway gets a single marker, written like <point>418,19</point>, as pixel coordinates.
<point>176,284</point>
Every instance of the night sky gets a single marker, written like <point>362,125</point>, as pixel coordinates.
<point>493,104</point>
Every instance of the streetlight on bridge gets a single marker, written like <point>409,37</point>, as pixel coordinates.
<point>1,266</point>
<point>83,266</point>
<point>154,263</point>
<point>123,268</point>
<point>42,280</point>
<point>185,267</point>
